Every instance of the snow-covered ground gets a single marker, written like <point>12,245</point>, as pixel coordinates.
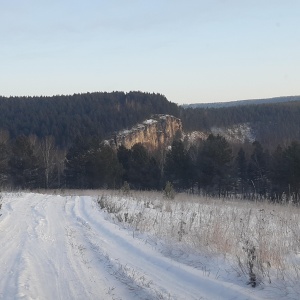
<point>66,247</point>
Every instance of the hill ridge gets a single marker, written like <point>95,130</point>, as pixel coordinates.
<point>272,100</point>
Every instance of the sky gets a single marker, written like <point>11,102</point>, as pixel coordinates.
<point>191,51</point>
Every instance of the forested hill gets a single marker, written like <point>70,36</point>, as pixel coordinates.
<point>243,102</point>
<point>90,114</point>
<point>273,124</point>
<point>101,114</point>
<point>213,165</point>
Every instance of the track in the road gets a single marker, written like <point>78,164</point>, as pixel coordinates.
<point>55,247</point>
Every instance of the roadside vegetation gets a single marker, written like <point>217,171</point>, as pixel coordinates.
<point>211,167</point>
<point>258,241</point>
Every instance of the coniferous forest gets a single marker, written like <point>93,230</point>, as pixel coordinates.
<point>274,123</point>
<point>87,115</point>
<point>57,142</point>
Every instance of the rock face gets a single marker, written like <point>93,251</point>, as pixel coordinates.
<point>238,133</point>
<point>159,131</point>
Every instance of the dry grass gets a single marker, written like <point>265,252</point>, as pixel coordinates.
<point>263,238</point>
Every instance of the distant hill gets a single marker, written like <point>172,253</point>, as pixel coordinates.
<point>242,102</point>
<point>86,115</point>
<point>269,123</point>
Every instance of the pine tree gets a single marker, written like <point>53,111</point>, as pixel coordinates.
<point>178,167</point>
<point>23,164</point>
<point>241,171</point>
<point>258,169</point>
<point>213,165</point>
<point>143,171</point>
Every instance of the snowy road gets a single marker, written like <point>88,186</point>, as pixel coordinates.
<point>55,247</point>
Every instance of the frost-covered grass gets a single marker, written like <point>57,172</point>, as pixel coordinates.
<point>259,240</point>
<point>127,245</point>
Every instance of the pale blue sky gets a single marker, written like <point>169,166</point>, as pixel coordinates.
<point>190,51</point>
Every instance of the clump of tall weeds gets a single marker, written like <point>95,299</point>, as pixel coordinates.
<point>105,203</point>
<point>264,237</point>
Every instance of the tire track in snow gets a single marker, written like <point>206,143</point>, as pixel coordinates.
<point>167,277</point>
<point>12,243</point>
<point>37,261</point>
<point>96,258</point>
<point>135,281</point>
<point>55,247</point>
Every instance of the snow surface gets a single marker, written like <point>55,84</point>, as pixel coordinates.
<point>65,247</point>
<point>236,133</point>
<point>149,122</point>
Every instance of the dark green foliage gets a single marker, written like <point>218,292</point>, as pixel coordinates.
<point>273,124</point>
<point>124,157</point>
<point>278,171</point>
<point>241,172</point>
<point>102,167</point>
<point>243,102</point>
<point>4,157</point>
<point>101,114</point>
<point>141,169</point>
<point>76,159</point>
<point>213,165</point>
<point>292,164</point>
<point>285,172</point>
<point>86,115</point>
<point>178,167</point>
<point>92,164</point>
<point>27,162</point>
<point>23,164</point>
<point>259,169</point>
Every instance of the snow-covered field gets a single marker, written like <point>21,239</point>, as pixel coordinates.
<point>116,246</point>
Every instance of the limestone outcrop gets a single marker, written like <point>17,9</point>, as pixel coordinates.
<point>154,133</point>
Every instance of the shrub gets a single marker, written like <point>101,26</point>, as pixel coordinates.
<point>125,188</point>
<point>169,192</point>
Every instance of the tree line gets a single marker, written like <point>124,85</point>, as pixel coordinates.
<point>101,114</point>
<point>86,115</point>
<point>216,168</point>
<point>273,124</point>
<point>212,167</point>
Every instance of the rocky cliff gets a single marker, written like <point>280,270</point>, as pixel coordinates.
<point>157,132</point>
